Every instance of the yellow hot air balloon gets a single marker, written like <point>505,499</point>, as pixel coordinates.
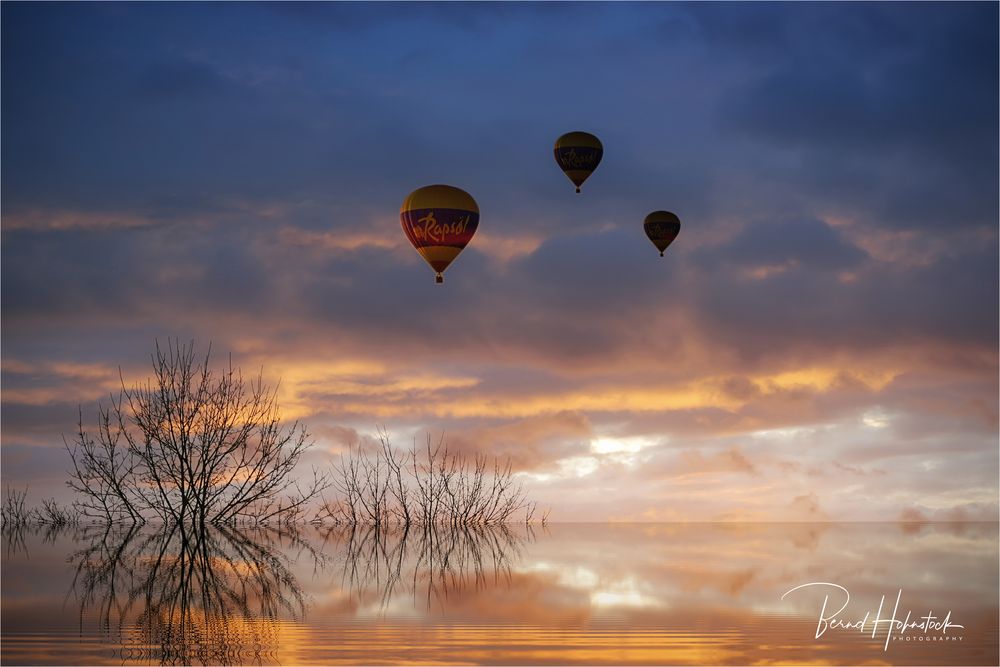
<point>439,220</point>
<point>578,154</point>
<point>662,228</point>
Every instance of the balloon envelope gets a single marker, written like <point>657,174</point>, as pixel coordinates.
<point>439,220</point>
<point>578,154</point>
<point>662,228</point>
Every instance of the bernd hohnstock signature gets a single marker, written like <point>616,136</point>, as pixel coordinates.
<point>929,627</point>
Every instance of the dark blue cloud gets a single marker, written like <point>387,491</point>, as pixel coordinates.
<point>908,102</point>
<point>953,299</point>
<point>129,107</point>
<point>181,79</point>
<point>812,243</point>
<point>130,275</point>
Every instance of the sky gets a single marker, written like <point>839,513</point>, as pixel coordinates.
<point>819,343</point>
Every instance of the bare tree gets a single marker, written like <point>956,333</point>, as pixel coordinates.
<point>191,445</point>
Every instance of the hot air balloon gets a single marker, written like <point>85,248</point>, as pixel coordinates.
<point>439,220</point>
<point>578,154</point>
<point>662,228</point>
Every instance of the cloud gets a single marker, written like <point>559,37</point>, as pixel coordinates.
<point>829,310</point>
<point>63,220</point>
<point>774,246</point>
<point>731,460</point>
<point>527,443</point>
<point>181,79</point>
<point>44,382</point>
<point>896,101</point>
<point>806,508</point>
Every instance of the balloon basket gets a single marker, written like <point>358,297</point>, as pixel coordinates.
<point>438,279</point>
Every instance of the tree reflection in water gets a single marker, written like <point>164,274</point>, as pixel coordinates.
<point>218,595</point>
<point>429,561</point>
<point>13,536</point>
<point>183,596</point>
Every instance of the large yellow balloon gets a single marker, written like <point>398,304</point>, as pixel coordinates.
<point>439,220</point>
<point>662,227</point>
<point>578,154</point>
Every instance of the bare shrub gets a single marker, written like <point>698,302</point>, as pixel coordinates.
<point>53,514</point>
<point>430,486</point>
<point>14,511</point>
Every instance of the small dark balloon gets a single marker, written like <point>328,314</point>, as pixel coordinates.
<point>662,228</point>
<point>439,220</point>
<point>578,154</point>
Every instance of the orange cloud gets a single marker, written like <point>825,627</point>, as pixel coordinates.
<point>693,462</point>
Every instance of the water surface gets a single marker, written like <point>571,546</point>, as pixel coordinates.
<point>565,594</point>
